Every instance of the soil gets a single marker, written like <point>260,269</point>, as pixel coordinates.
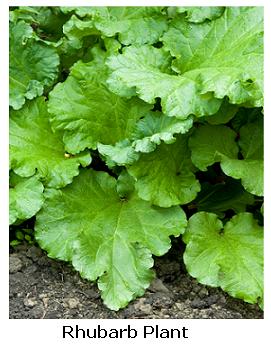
<point>42,288</point>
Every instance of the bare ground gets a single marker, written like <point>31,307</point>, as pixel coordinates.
<point>42,288</point>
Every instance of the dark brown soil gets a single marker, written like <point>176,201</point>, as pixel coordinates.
<point>41,288</point>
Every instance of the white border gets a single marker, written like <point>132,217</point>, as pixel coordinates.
<point>212,335</point>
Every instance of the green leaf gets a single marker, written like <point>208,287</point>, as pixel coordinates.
<point>249,170</point>
<point>198,14</point>
<point>76,29</point>
<point>134,25</point>
<point>208,143</point>
<point>245,116</point>
<point>88,113</point>
<point>46,21</point>
<point>229,257</point>
<point>251,140</point>
<point>201,85</point>
<point>225,114</point>
<point>33,65</point>
<point>149,132</point>
<point>122,153</point>
<point>224,56</point>
<point>107,237</point>
<point>168,100</point>
<point>125,184</point>
<point>155,128</point>
<point>144,71</point>
<point>34,147</point>
<point>221,197</point>
<point>164,177</point>
<point>25,197</point>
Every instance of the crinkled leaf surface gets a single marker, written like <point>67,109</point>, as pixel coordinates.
<point>220,69</point>
<point>214,54</point>
<point>164,177</point>
<point>230,257</point>
<point>76,29</point>
<point>88,113</point>
<point>25,197</point>
<point>198,14</point>
<point>143,71</point>
<point>33,65</point>
<point>134,25</point>
<point>105,236</point>
<point>155,128</point>
<point>149,132</point>
<point>34,147</point>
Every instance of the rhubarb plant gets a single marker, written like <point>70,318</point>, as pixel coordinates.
<point>130,125</point>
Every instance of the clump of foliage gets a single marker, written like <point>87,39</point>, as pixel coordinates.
<point>129,125</point>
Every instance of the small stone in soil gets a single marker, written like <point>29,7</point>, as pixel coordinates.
<point>180,306</point>
<point>211,300</point>
<point>160,300</point>
<point>158,286</point>
<point>15,264</point>
<point>30,302</point>
<point>31,269</point>
<point>198,303</point>
<point>141,306</point>
<point>203,292</point>
<point>34,253</point>
<point>73,303</point>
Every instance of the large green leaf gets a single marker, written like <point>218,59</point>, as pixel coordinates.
<point>249,171</point>
<point>234,41</point>
<point>34,147</point>
<point>25,197</point>
<point>149,132</point>
<point>33,65</point>
<point>224,56</point>
<point>251,140</point>
<point>229,257</point>
<point>75,29</point>
<point>107,236</point>
<point>164,177</point>
<point>208,143</point>
<point>88,113</point>
<point>133,25</point>
<point>144,71</point>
